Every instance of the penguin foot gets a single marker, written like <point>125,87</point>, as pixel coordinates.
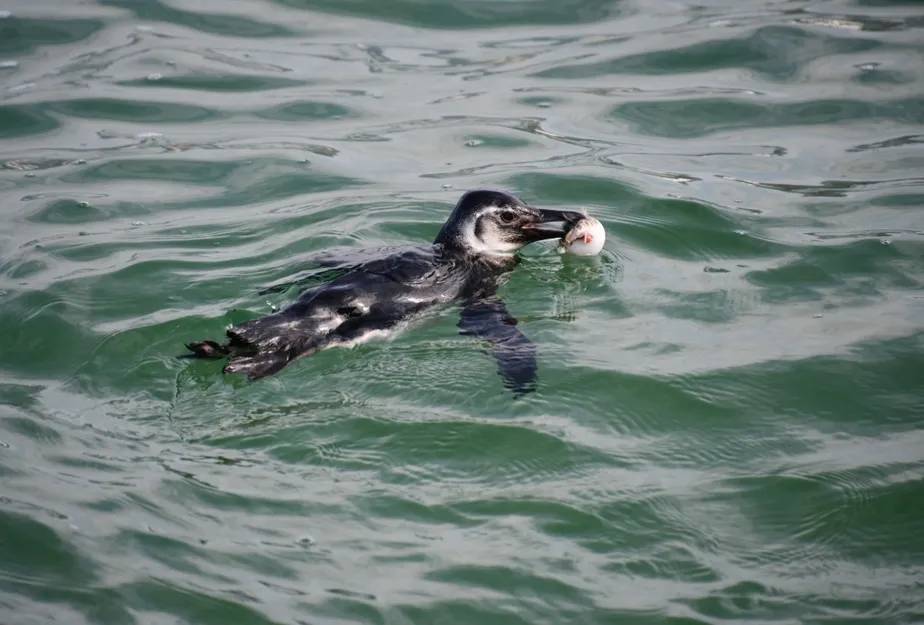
<point>207,349</point>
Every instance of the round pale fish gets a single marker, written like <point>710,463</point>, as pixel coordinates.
<point>586,238</point>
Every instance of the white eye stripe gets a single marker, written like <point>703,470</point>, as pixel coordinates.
<point>490,241</point>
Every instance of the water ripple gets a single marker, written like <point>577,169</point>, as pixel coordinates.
<point>727,421</point>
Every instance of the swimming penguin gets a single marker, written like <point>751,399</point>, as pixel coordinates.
<point>473,250</point>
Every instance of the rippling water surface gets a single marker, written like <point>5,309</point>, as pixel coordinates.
<point>729,425</point>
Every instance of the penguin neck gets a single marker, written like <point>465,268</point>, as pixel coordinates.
<point>450,235</point>
<point>454,252</point>
<point>460,237</point>
<point>456,247</point>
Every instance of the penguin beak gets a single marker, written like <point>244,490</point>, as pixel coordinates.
<point>552,224</point>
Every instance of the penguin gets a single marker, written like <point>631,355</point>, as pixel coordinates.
<point>474,249</point>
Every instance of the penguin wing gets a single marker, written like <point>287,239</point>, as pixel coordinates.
<point>488,319</point>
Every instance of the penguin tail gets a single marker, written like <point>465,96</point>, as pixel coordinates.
<point>207,349</point>
<point>256,365</point>
<point>259,365</point>
<point>254,359</point>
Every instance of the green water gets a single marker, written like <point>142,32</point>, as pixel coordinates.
<point>729,424</point>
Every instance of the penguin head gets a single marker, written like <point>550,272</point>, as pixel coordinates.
<point>494,223</point>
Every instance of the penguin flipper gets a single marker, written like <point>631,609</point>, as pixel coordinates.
<point>489,320</point>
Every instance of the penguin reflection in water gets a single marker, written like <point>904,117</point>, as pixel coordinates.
<point>473,250</point>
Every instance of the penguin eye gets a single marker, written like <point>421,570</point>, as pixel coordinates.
<point>507,216</point>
